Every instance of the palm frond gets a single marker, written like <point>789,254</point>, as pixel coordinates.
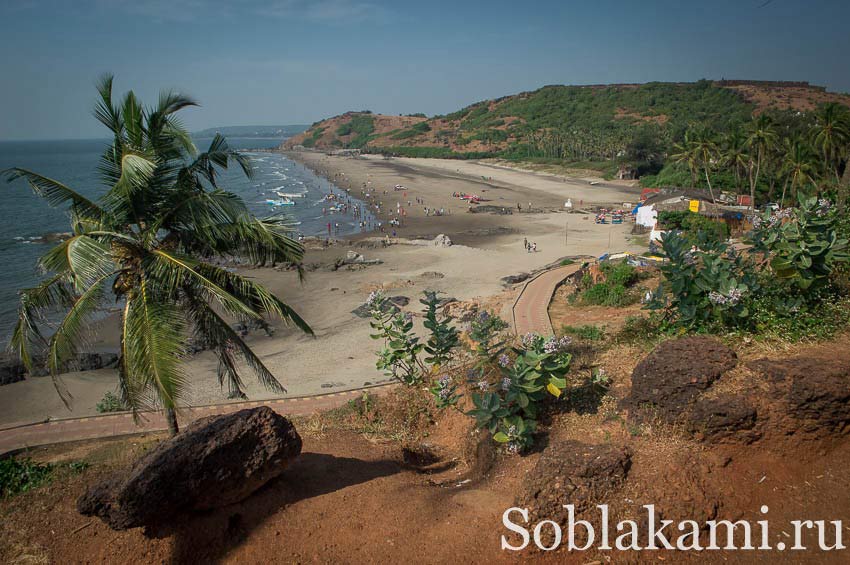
<point>154,335</point>
<point>65,342</point>
<point>52,293</point>
<point>105,112</point>
<point>55,193</point>
<point>224,340</point>
<point>253,294</point>
<point>81,257</point>
<point>173,271</point>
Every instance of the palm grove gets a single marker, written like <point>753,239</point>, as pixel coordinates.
<point>147,240</point>
<point>774,158</point>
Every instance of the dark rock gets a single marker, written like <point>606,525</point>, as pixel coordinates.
<point>216,461</point>
<point>575,473</point>
<point>811,395</point>
<point>725,418</point>
<point>93,362</point>
<point>514,279</point>
<point>11,371</point>
<point>670,378</point>
<point>390,305</point>
<point>432,275</point>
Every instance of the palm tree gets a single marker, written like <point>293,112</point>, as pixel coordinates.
<point>146,239</point>
<point>683,153</point>
<point>761,139</point>
<point>734,153</point>
<point>798,165</point>
<point>704,146</point>
<point>831,135</point>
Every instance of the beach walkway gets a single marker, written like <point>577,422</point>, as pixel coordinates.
<point>531,309</point>
<point>13,437</point>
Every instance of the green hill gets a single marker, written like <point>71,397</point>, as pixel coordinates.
<point>598,126</point>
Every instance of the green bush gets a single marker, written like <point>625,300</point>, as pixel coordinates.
<point>693,224</point>
<point>607,294</point>
<point>586,332</point>
<point>617,289</point>
<point>111,402</point>
<point>784,287</point>
<point>620,273</point>
<point>21,475</point>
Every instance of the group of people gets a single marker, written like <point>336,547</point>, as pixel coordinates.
<point>530,246</point>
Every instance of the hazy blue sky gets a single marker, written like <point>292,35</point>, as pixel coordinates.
<point>296,61</point>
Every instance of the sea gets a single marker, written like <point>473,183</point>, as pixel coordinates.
<point>26,218</point>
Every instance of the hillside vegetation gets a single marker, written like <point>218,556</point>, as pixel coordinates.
<point>664,133</point>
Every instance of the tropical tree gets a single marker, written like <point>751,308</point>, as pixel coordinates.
<point>147,239</point>
<point>734,153</point>
<point>761,138</point>
<point>684,154</point>
<point>703,142</point>
<point>798,166</point>
<point>831,136</point>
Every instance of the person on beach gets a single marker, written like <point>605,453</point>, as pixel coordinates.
<point>525,243</point>
<point>534,247</point>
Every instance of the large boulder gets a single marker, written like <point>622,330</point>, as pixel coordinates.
<point>726,418</point>
<point>214,462</point>
<point>571,472</point>
<point>809,395</point>
<point>669,379</point>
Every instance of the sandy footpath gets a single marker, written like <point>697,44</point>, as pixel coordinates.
<point>341,356</point>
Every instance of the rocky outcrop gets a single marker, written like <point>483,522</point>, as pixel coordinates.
<point>216,461</point>
<point>724,418</point>
<point>810,396</point>
<point>574,473</point>
<point>391,304</point>
<point>668,380</point>
<point>12,370</point>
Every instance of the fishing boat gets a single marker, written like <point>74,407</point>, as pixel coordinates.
<point>283,202</point>
<point>291,194</point>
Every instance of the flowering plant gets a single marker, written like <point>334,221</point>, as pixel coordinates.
<point>537,371</point>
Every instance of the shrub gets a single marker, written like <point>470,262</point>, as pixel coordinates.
<point>21,475</point>
<point>111,402</point>
<point>790,292</point>
<point>607,294</point>
<point>526,376</point>
<point>586,332</point>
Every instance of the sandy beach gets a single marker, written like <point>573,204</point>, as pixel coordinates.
<point>486,247</point>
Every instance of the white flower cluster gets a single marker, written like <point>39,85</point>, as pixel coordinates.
<point>553,345</point>
<point>824,206</point>
<point>731,299</point>
<point>375,299</point>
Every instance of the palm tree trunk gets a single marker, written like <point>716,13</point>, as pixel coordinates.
<point>710,190</point>
<point>784,186</point>
<point>171,418</point>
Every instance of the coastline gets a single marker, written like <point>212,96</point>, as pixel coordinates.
<point>486,248</point>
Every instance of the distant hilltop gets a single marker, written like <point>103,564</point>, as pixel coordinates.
<point>254,131</point>
<point>500,126</point>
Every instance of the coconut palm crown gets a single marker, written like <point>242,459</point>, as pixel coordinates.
<point>148,240</point>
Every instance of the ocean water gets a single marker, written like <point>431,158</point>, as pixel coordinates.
<point>26,218</point>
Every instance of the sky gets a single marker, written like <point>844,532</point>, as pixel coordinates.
<point>257,62</point>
